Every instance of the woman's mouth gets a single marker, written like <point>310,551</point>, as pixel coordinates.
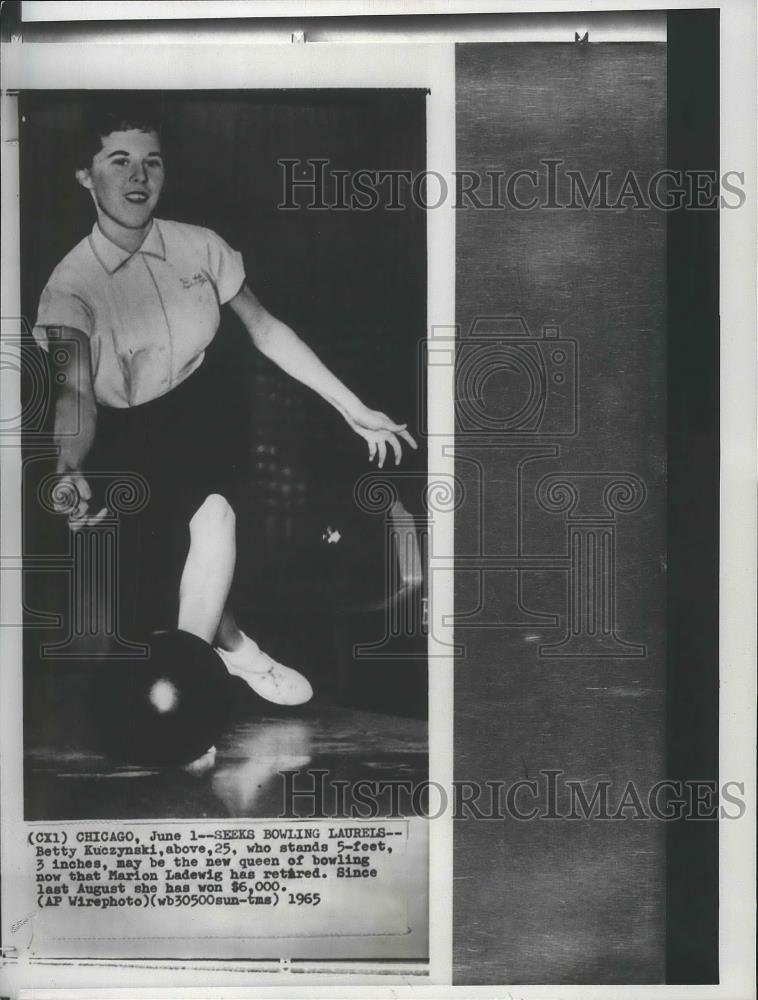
<point>136,197</point>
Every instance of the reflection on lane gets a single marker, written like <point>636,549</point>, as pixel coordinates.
<point>261,750</point>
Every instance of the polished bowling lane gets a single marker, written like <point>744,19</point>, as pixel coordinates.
<point>67,778</point>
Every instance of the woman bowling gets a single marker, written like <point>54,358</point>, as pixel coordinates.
<point>138,302</point>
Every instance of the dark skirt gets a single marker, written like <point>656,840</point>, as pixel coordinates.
<point>185,445</point>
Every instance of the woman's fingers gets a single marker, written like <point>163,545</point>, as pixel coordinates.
<point>76,513</point>
<point>379,438</point>
<point>396,447</point>
<point>406,436</point>
<point>84,521</point>
<point>71,495</point>
<point>78,516</point>
<point>97,518</point>
<point>378,442</point>
<point>390,425</point>
<point>65,496</point>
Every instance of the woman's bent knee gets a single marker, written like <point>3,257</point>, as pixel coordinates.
<point>213,517</point>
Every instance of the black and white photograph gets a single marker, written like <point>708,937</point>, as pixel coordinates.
<point>239,509</point>
<point>377,533</point>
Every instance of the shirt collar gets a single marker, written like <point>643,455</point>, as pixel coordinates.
<point>112,256</point>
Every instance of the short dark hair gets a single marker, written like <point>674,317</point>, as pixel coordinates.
<point>104,117</point>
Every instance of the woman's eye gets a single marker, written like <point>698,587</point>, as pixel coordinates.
<point>121,162</point>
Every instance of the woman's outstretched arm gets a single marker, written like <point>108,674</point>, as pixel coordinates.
<point>282,345</point>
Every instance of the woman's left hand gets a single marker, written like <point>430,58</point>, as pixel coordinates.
<point>378,431</point>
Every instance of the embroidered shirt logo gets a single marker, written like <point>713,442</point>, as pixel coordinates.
<point>196,279</point>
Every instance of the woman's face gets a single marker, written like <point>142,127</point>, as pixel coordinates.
<point>126,178</point>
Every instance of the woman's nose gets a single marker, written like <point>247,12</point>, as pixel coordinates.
<point>139,173</point>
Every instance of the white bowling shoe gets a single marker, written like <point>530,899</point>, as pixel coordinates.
<point>269,679</point>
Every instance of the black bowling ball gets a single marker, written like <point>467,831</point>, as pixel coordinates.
<point>166,709</point>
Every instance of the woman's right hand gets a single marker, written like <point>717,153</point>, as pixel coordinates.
<point>71,496</point>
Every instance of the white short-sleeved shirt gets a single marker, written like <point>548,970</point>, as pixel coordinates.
<point>149,315</point>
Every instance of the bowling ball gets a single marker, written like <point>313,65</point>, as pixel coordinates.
<point>166,709</point>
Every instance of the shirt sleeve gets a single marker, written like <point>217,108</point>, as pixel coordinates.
<point>226,267</point>
<point>62,305</point>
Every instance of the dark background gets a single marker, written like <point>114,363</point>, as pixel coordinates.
<point>352,284</point>
<point>692,863</point>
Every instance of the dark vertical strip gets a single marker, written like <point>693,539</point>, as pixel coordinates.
<point>693,496</point>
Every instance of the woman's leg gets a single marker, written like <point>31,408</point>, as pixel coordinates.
<point>208,569</point>
<point>203,591</point>
<point>229,636</point>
